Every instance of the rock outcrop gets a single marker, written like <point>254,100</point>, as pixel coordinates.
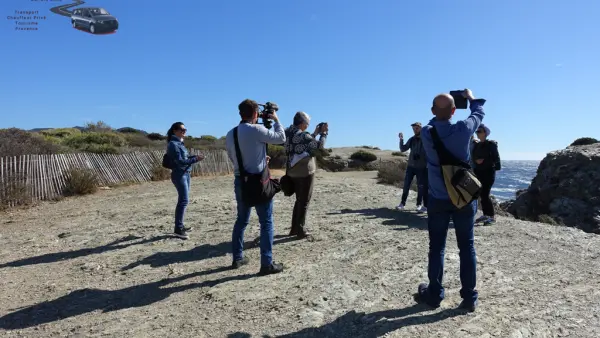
<point>566,189</point>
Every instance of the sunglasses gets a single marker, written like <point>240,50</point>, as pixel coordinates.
<point>183,130</point>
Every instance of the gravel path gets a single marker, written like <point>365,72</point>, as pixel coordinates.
<point>105,266</point>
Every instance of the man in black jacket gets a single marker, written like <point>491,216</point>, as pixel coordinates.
<point>417,166</point>
<point>487,161</point>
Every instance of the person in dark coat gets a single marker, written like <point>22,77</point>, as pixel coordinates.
<point>486,158</point>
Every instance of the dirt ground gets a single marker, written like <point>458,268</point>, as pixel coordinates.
<point>106,266</point>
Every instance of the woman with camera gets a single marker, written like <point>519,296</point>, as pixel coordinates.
<point>181,167</point>
<point>486,158</point>
<point>301,147</point>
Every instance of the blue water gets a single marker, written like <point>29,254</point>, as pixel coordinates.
<point>515,175</point>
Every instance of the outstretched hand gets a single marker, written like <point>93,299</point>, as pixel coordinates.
<point>401,136</point>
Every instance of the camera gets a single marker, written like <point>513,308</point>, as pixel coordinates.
<point>268,109</point>
<point>460,102</point>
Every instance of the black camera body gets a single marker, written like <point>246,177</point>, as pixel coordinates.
<point>460,102</point>
<point>268,109</point>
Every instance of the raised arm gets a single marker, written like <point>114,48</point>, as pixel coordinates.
<point>404,147</point>
<point>275,136</point>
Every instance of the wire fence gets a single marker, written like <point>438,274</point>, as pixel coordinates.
<point>28,178</point>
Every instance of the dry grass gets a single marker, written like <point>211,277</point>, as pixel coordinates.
<point>393,173</point>
<point>160,173</point>
<point>14,192</point>
<point>81,182</point>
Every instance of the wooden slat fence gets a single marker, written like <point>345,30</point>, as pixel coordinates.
<point>44,177</point>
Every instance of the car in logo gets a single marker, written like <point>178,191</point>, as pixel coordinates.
<point>94,19</point>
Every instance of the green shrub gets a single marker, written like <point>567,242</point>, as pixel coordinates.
<point>80,182</point>
<point>160,173</point>
<point>208,138</point>
<point>139,140</point>
<point>393,173</point>
<point>129,130</point>
<point>97,127</point>
<point>277,154</point>
<point>363,156</point>
<point>60,132</point>
<point>397,153</point>
<point>547,219</point>
<point>156,137</point>
<point>99,149</point>
<point>584,141</point>
<point>84,140</point>
<point>16,142</point>
<point>371,147</point>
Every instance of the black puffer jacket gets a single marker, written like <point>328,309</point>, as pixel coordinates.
<point>488,151</point>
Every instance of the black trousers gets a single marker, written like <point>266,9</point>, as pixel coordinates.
<point>487,177</point>
<point>303,187</point>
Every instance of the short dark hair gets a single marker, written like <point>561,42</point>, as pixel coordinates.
<point>248,108</point>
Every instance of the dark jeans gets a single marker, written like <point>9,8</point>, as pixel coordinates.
<point>303,187</point>
<point>182,184</point>
<point>265,217</point>
<point>439,214</point>
<point>422,185</point>
<point>487,177</point>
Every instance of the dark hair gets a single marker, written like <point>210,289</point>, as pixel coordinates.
<point>248,108</point>
<point>175,126</point>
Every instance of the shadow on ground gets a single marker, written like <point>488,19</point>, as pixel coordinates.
<point>392,217</point>
<point>205,251</point>
<point>88,300</point>
<point>358,324</point>
<point>61,256</point>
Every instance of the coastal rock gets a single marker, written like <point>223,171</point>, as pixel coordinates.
<point>565,189</point>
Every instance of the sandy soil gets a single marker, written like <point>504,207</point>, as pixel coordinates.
<point>105,266</point>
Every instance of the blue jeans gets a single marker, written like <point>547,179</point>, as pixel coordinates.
<point>182,184</point>
<point>439,214</point>
<point>265,217</point>
<point>422,185</point>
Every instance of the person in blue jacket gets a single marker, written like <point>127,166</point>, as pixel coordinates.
<point>181,167</point>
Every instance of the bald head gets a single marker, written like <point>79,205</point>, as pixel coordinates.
<point>443,106</point>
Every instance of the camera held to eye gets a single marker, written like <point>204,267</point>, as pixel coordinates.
<point>269,109</point>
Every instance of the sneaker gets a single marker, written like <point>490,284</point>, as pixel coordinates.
<point>181,233</point>
<point>481,219</point>
<point>489,221</point>
<point>239,263</point>
<point>422,210</point>
<point>468,306</point>
<point>187,229</point>
<point>271,269</point>
<point>400,206</point>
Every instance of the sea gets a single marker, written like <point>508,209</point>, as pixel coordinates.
<point>515,175</point>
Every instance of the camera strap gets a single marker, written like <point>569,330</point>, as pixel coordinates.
<point>238,153</point>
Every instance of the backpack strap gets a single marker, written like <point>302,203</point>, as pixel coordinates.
<point>446,157</point>
<point>238,153</point>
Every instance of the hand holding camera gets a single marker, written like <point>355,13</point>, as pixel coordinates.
<point>273,116</point>
<point>468,94</point>
<point>401,136</point>
<point>199,157</point>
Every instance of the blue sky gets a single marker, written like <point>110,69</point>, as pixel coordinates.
<point>369,68</point>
